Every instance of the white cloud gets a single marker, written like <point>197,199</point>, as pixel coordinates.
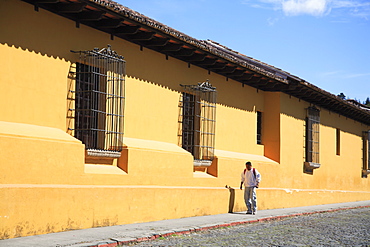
<point>331,73</point>
<point>358,75</point>
<point>358,8</point>
<point>343,74</point>
<point>310,7</point>
<point>272,21</point>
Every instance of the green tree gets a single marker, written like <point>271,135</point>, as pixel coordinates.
<point>342,96</point>
<point>367,101</point>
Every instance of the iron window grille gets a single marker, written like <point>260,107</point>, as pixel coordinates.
<point>199,120</point>
<point>99,101</point>
<point>259,127</point>
<point>366,153</point>
<point>312,138</point>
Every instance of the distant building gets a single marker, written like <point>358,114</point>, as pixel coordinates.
<point>109,117</point>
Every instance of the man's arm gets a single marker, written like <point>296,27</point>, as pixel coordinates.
<point>242,180</point>
<point>258,177</point>
<point>258,180</point>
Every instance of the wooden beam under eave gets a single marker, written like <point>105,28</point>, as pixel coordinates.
<point>244,77</point>
<point>125,30</point>
<point>253,82</point>
<point>46,1</point>
<point>70,7</point>
<point>141,36</point>
<point>184,52</point>
<point>207,61</point>
<point>227,70</point>
<point>196,57</point>
<point>108,23</point>
<point>238,73</point>
<point>325,101</point>
<point>171,47</point>
<point>217,66</point>
<point>89,16</point>
<point>156,42</point>
<point>272,86</point>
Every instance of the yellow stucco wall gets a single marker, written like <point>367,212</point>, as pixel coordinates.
<point>46,185</point>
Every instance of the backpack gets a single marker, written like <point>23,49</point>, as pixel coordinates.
<point>254,172</point>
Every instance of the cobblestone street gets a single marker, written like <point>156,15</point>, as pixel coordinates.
<point>340,228</point>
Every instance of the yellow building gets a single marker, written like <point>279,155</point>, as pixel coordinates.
<point>108,117</point>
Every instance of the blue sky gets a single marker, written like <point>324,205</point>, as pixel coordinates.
<point>325,42</point>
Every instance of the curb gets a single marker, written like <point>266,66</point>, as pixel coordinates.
<point>117,242</point>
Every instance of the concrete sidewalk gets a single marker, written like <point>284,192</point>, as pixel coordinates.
<point>125,234</point>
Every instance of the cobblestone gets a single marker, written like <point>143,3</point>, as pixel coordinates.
<point>349,227</point>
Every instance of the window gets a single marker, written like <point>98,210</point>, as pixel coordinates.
<point>312,139</point>
<point>99,101</point>
<point>366,153</point>
<point>198,121</point>
<point>338,142</point>
<point>259,127</point>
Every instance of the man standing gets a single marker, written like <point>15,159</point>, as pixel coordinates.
<point>250,177</point>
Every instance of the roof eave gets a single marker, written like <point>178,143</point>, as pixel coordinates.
<point>122,22</point>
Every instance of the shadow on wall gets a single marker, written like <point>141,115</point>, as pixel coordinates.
<point>71,99</point>
<point>148,66</point>
<point>231,198</point>
<point>327,117</point>
<point>50,35</point>
<point>232,95</point>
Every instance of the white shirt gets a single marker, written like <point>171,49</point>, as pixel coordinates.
<point>248,178</point>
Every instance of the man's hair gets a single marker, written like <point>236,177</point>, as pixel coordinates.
<point>248,163</point>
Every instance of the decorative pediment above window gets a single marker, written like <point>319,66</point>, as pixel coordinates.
<point>107,52</point>
<point>202,87</point>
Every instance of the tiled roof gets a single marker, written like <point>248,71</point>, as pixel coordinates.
<point>208,45</point>
<point>122,22</point>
